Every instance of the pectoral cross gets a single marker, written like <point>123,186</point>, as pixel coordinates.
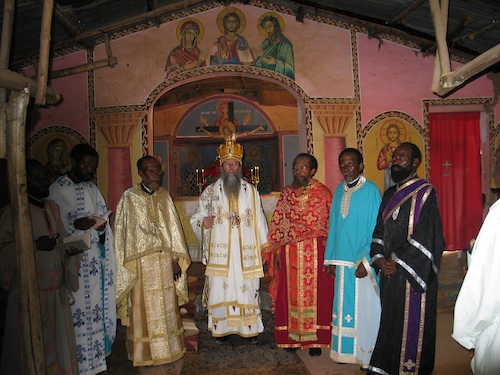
<point>153,227</point>
<point>446,164</point>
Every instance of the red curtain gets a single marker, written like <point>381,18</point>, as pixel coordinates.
<point>455,168</point>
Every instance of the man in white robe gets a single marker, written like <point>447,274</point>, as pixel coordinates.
<point>83,210</point>
<point>476,323</point>
<point>231,224</point>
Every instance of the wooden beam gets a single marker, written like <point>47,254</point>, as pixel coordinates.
<point>137,19</point>
<point>17,82</point>
<point>33,354</point>
<point>478,33</point>
<point>440,19</point>
<point>5,44</point>
<point>43,64</point>
<point>413,7</point>
<point>452,80</point>
<point>8,20</point>
<point>444,80</point>
<point>439,11</point>
<point>111,62</point>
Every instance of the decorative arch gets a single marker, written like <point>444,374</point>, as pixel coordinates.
<point>304,121</point>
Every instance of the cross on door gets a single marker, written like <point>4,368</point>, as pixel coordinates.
<point>446,164</point>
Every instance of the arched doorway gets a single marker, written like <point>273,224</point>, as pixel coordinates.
<point>281,103</point>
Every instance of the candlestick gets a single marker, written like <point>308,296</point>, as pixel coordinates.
<point>200,179</point>
<point>255,175</point>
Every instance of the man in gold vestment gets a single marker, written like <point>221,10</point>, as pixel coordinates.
<point>152,259</point>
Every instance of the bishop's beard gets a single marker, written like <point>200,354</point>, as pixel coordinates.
<point>232,184</point>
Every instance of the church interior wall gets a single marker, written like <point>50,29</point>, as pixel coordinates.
<point>73,110</point>
<point>332,66</point>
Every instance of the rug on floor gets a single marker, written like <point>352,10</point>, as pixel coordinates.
<point>238,356</point>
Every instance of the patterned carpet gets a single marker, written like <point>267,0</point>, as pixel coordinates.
<point>238,356</point>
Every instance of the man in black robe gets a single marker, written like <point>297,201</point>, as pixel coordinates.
<point>406,249</point>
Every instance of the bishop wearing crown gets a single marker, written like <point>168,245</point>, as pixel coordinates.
<point>232,228</point>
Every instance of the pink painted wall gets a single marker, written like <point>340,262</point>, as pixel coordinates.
<point>391,76</point>
<point>73,111</point>
<point>394,77</point>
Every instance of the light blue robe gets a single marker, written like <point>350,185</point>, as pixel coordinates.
<point>356,305</point>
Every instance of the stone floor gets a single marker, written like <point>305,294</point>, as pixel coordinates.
<point>451,358</point>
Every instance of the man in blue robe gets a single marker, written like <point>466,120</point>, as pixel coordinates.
<point>356,305</point>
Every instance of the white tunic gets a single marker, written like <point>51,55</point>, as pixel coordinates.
<point>232,253</point>
<point>94,310</point>
<point>477,310</point>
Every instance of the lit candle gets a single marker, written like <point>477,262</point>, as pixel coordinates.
<point>198,176</point>
<point>252,173</point>
<point>257,173</point>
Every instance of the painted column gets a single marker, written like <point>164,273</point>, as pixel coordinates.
<point>334,120</point>
<point>118,129</point>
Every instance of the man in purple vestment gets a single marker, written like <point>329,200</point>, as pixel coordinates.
<point>406,249</point>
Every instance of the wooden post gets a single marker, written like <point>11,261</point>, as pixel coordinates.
<point>5,43</point>
<point>43,68</point>
<point>443,12</point>
<point>439,11</point>
<point>32,355</point>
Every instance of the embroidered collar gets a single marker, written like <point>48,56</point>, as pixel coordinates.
<point>346,197</point>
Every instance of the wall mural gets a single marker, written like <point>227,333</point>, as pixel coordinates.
<point>220,118</point>
<point>277,51</point>
<point>52,147</point>
<point>186,55</point>
<point>231,48</point>
<point>493,185</point>
<point>381,137</point>
<point>392,134</point>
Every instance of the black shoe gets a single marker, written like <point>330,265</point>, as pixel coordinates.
<point>252,340</point>
<point>315,352</point>
<point>221,340</point>
<point>291,349</point>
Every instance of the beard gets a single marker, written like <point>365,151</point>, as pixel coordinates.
<point>399,173</point>
<point>299,182</point>
<point>232,184</point>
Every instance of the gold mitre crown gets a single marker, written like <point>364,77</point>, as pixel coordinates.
<point>230,150</point>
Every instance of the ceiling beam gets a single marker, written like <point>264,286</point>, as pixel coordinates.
<point>137,19</point>
<point>461,75</point>
<point>477,34</point>
<point>407,11</point>
<point>445,80</point>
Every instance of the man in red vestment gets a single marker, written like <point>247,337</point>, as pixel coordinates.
<point>302,291</point>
